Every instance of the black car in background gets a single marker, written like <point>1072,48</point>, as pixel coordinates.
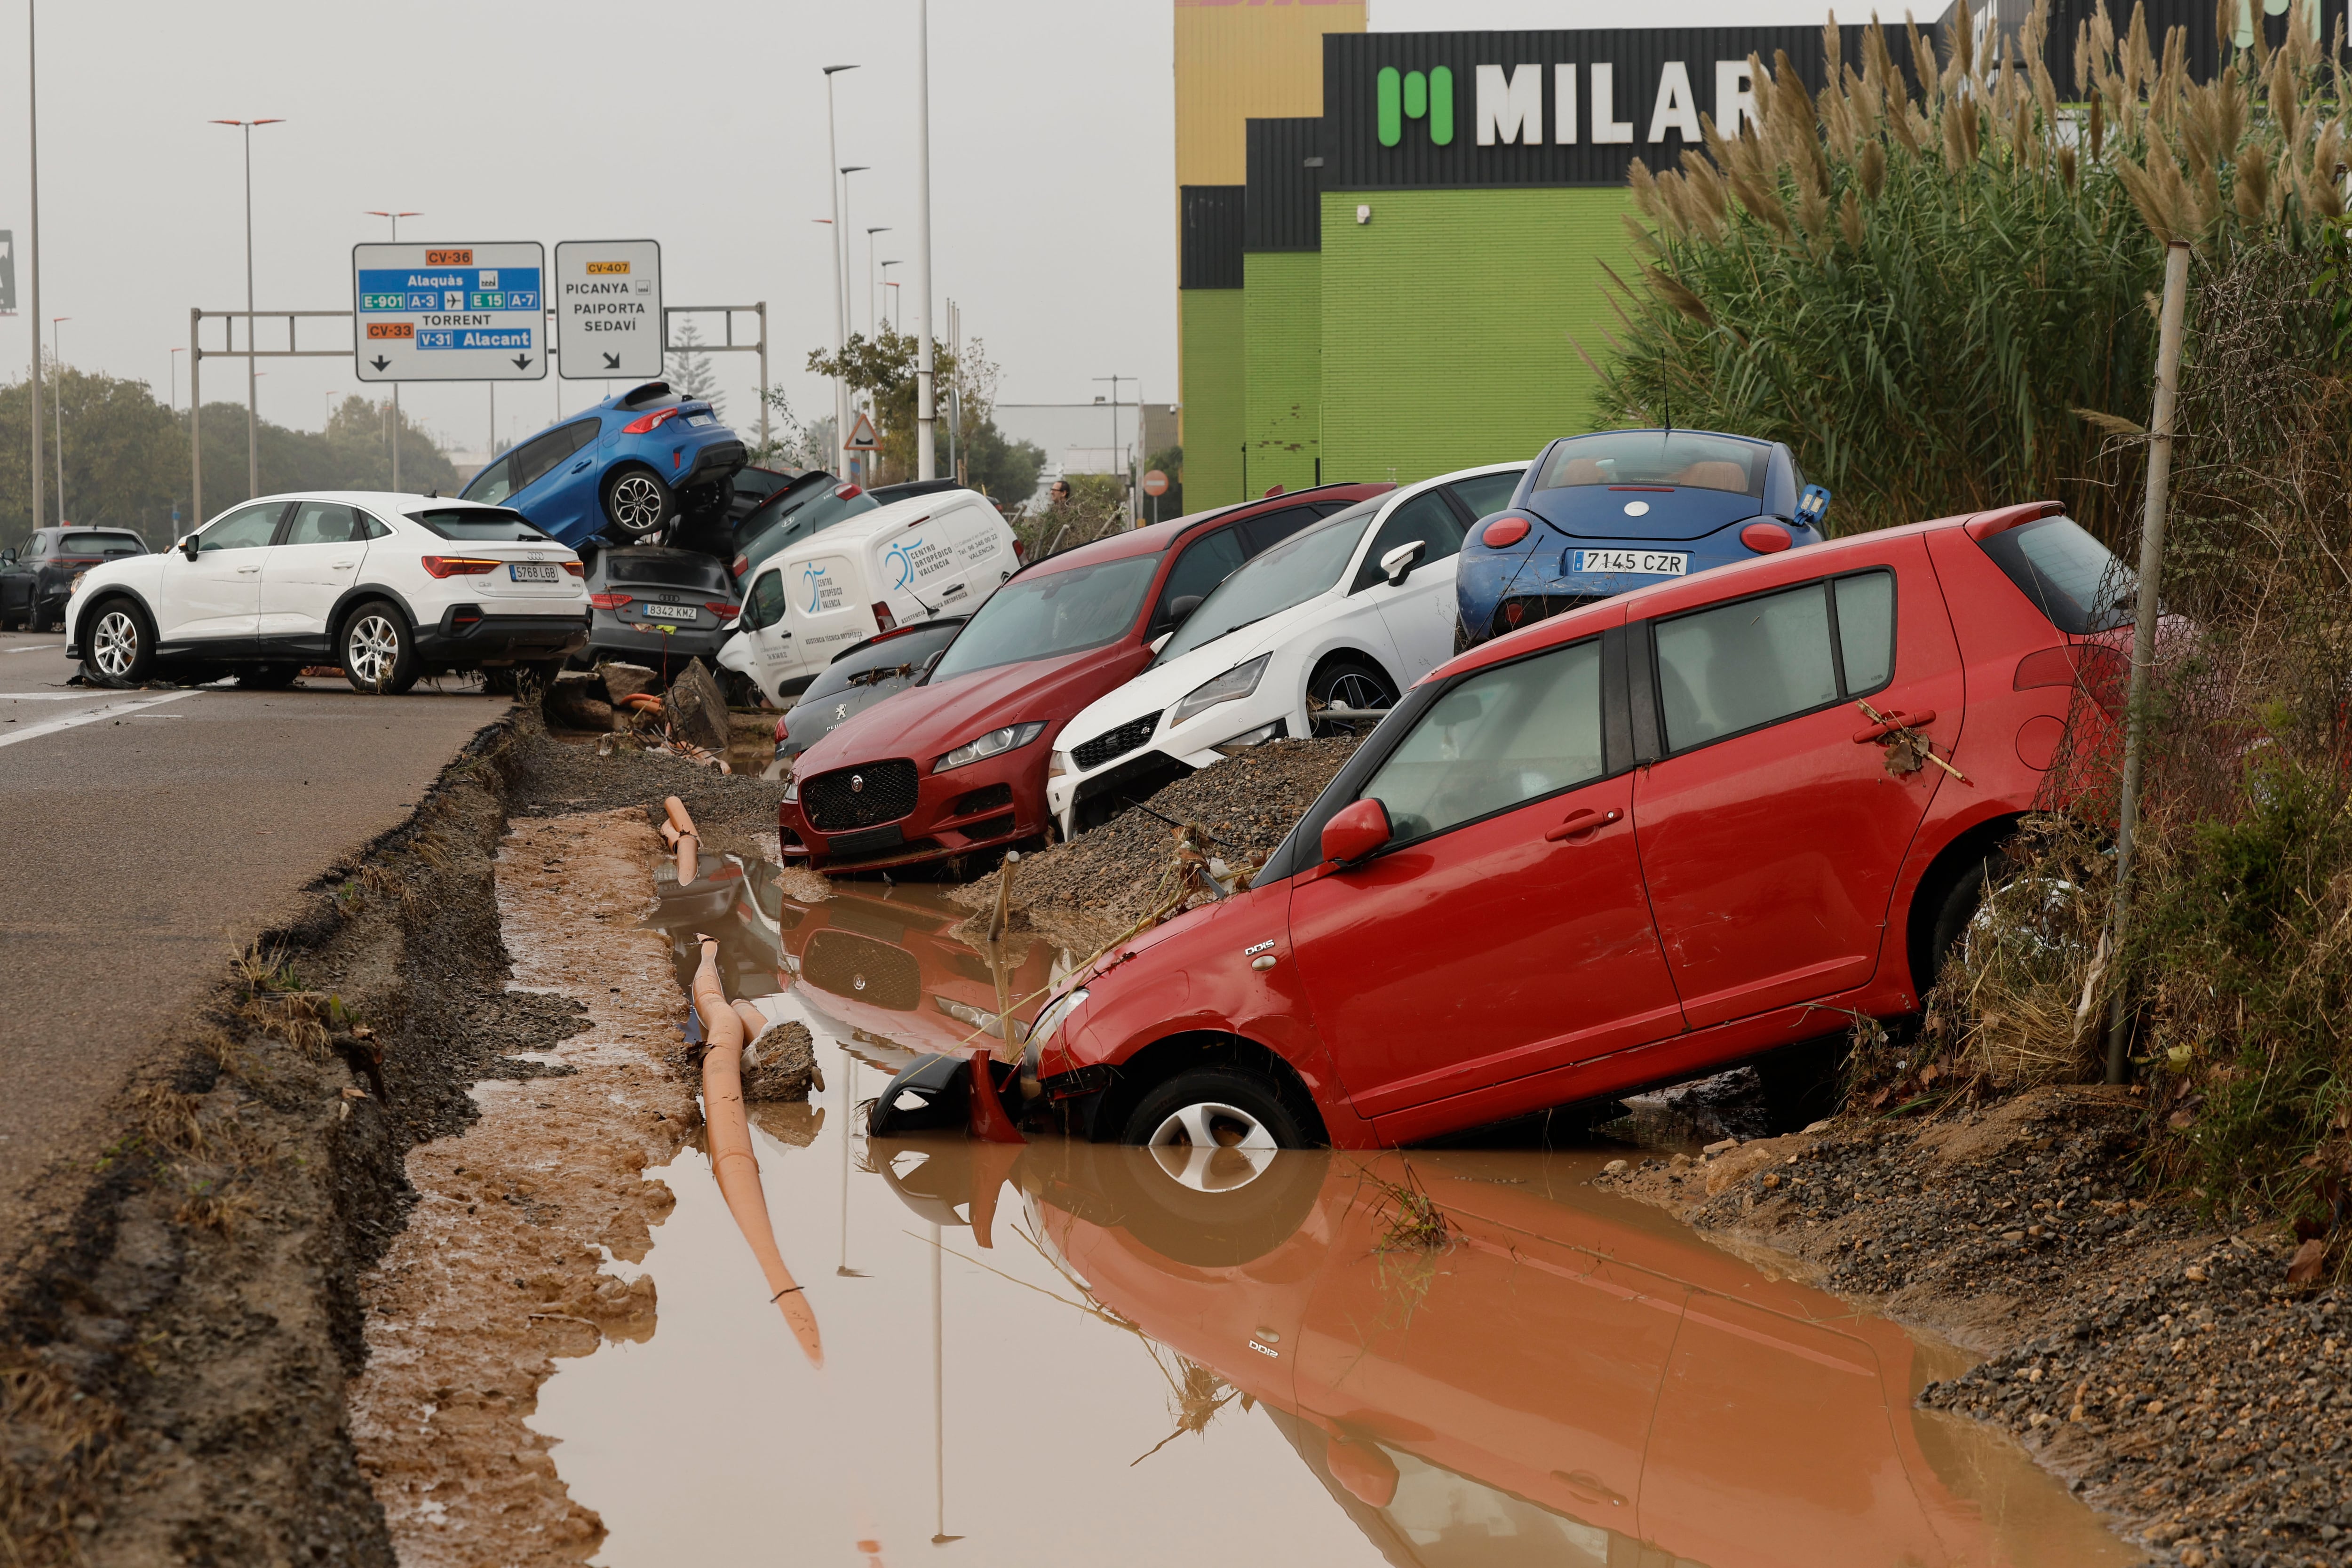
<point>658,606</point>
<point>858,677</point>
<point>37,577</point>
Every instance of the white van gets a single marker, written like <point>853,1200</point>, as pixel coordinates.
<point>937,554</point>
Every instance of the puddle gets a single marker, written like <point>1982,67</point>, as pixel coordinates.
<point>1064,1353</point>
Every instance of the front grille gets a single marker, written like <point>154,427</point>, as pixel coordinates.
<point>857,966</point>
<point>1118,743</point>
<point>991,827</point>
<point>1534,607</point>
<point>995,797</point>
<point>860,796</point>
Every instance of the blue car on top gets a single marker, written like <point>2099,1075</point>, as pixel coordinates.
<point>626,469</point>
<point>1599,514</point>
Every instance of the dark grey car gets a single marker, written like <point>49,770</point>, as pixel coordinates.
<point>860,676</point>
<point>37,578</point>
<point>649,603</point>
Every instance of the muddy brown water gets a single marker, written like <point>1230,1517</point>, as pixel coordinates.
<point>1073,1354</point>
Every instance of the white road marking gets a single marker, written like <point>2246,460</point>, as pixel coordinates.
<point>110,711</point>
<point>50,696</point>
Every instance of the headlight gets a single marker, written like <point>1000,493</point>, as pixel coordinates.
<point>1257,737</point>
<point>1057,765</point>
<point>78,578</point>
<point>1059,1009</point>
<point>995,743</point>
<point>1231,686</point>
<point>973,1018</point>
<point>791,791</point>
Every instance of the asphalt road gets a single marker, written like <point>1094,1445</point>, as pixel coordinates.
<point>149,834</point>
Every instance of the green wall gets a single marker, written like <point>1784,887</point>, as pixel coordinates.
<point>1210,326</point>
<point>1282,321</point>
<point>1448,320</point>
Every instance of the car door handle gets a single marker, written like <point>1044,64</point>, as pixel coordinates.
<point>1581,824</point>
<point>1590,1487</point>
<point>246,571</point>
<point>582,466</point>
<point>1892,722</point>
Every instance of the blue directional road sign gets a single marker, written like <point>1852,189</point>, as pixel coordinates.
<point>449,313</point>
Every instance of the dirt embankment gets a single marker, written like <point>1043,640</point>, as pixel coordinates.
<point>2165,1369</point>
<point>1088,890</point>
<point>504,1265</point>
<point>178,1341</point>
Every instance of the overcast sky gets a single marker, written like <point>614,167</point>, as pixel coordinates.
<point>1053,156</point>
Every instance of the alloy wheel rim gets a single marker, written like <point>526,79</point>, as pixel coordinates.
<point>1212,1147</point>
<point>371,649</point>
<point>115,644</point>
<point>1352,689</point>
<point>637,504</point>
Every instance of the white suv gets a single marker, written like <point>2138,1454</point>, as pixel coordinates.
<point>389,586</point>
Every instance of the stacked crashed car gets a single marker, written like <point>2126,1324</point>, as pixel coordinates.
<point>957,764</point>
<point>1327,627</point>
<point>626,469</point>
<point>37,578</point>
<point>1599,514</point>
<point>1645,840</point>
<point>859,678</point>
<point>651,604</point>
<point>389,586</point>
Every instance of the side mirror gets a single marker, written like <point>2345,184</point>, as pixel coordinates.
<point>1356,832</point>
<point>1397,563</point>
<point>7,558</point>
<point>1181,610</point>
<point>188,547</point>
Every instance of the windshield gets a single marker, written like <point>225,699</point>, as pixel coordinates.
<point>667,569</point>
<point>905,651</point>
<point>1052,613</point>
<point>2069,576</point>
<point>788,519</point>
<point>1691,457</point>
<point>485,524</point>
<point>1293,572</point>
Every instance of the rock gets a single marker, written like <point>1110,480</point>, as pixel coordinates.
<point>781,1064</point>
<point>2194,1273</point>
<point>2309,1259</point>
<point>696,710</point>
<point>629,680</point>
<point>1724,1147</point>
<point>575,705</point>
<point>1614,1168</point>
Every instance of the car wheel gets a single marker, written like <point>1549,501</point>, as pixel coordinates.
<point>1213,1129</point>
<point>379,654</point>
<point>1345,683</point>
<point>1953,914</point>
<point>268,676</point>
<point>120,647</point>
<point>637,503</point>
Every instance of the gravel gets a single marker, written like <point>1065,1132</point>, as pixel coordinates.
<point>1102,881</point>
<point>2163,1368</point>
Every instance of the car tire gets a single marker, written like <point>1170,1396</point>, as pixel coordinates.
<point>1346,683</point>
<point>268,676</point>
<point>117,644</point>
<point>1232,1107</point>
<point>1953,913</point>
<point>378,650</point>
<point>1237,1202</point>
<point>637,504</point>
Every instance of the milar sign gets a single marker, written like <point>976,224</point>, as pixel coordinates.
<point>1403,110</point>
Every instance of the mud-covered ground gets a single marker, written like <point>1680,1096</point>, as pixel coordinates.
<point>2166,1369</point>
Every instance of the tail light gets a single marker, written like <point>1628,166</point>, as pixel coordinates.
<point>575,568</point>
<point>847,491</point>
<point>459,565</point>
<point>1765,538</point>
<point>650,423</point>
<point>610,601</point>
<point>1020,552</point>
<point>742,565</point>
<point>1503,532</point>
<point>782,732</point>
<point>722,609</point>
<point>883,619</point>
<point>1513,610</point>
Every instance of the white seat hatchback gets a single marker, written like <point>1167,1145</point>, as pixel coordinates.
<point>1308,639</point>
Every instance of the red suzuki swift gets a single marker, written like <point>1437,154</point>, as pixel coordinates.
<point>1645,840</point>
<point>957,764</point>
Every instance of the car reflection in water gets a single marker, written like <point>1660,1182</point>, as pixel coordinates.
<point>1574,1380</point>
<point>880,962</point>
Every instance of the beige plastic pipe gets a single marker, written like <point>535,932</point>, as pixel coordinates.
<point>685,842</point>
<point>729,1129</point>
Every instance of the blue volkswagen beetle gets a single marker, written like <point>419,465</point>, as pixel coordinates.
<point>1599,514</point>
<point>626,469</point>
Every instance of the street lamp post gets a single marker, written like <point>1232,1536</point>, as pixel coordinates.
<point>1114,381</point>
<point>871,325</point>
<point>252,360</point>
<point>395,218</point>
<point>33,115</point>
<point>833,181</point>
<point>885,267</point>
<point>927,461</point>
<point>175,383</point>
<point>58,412</point>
